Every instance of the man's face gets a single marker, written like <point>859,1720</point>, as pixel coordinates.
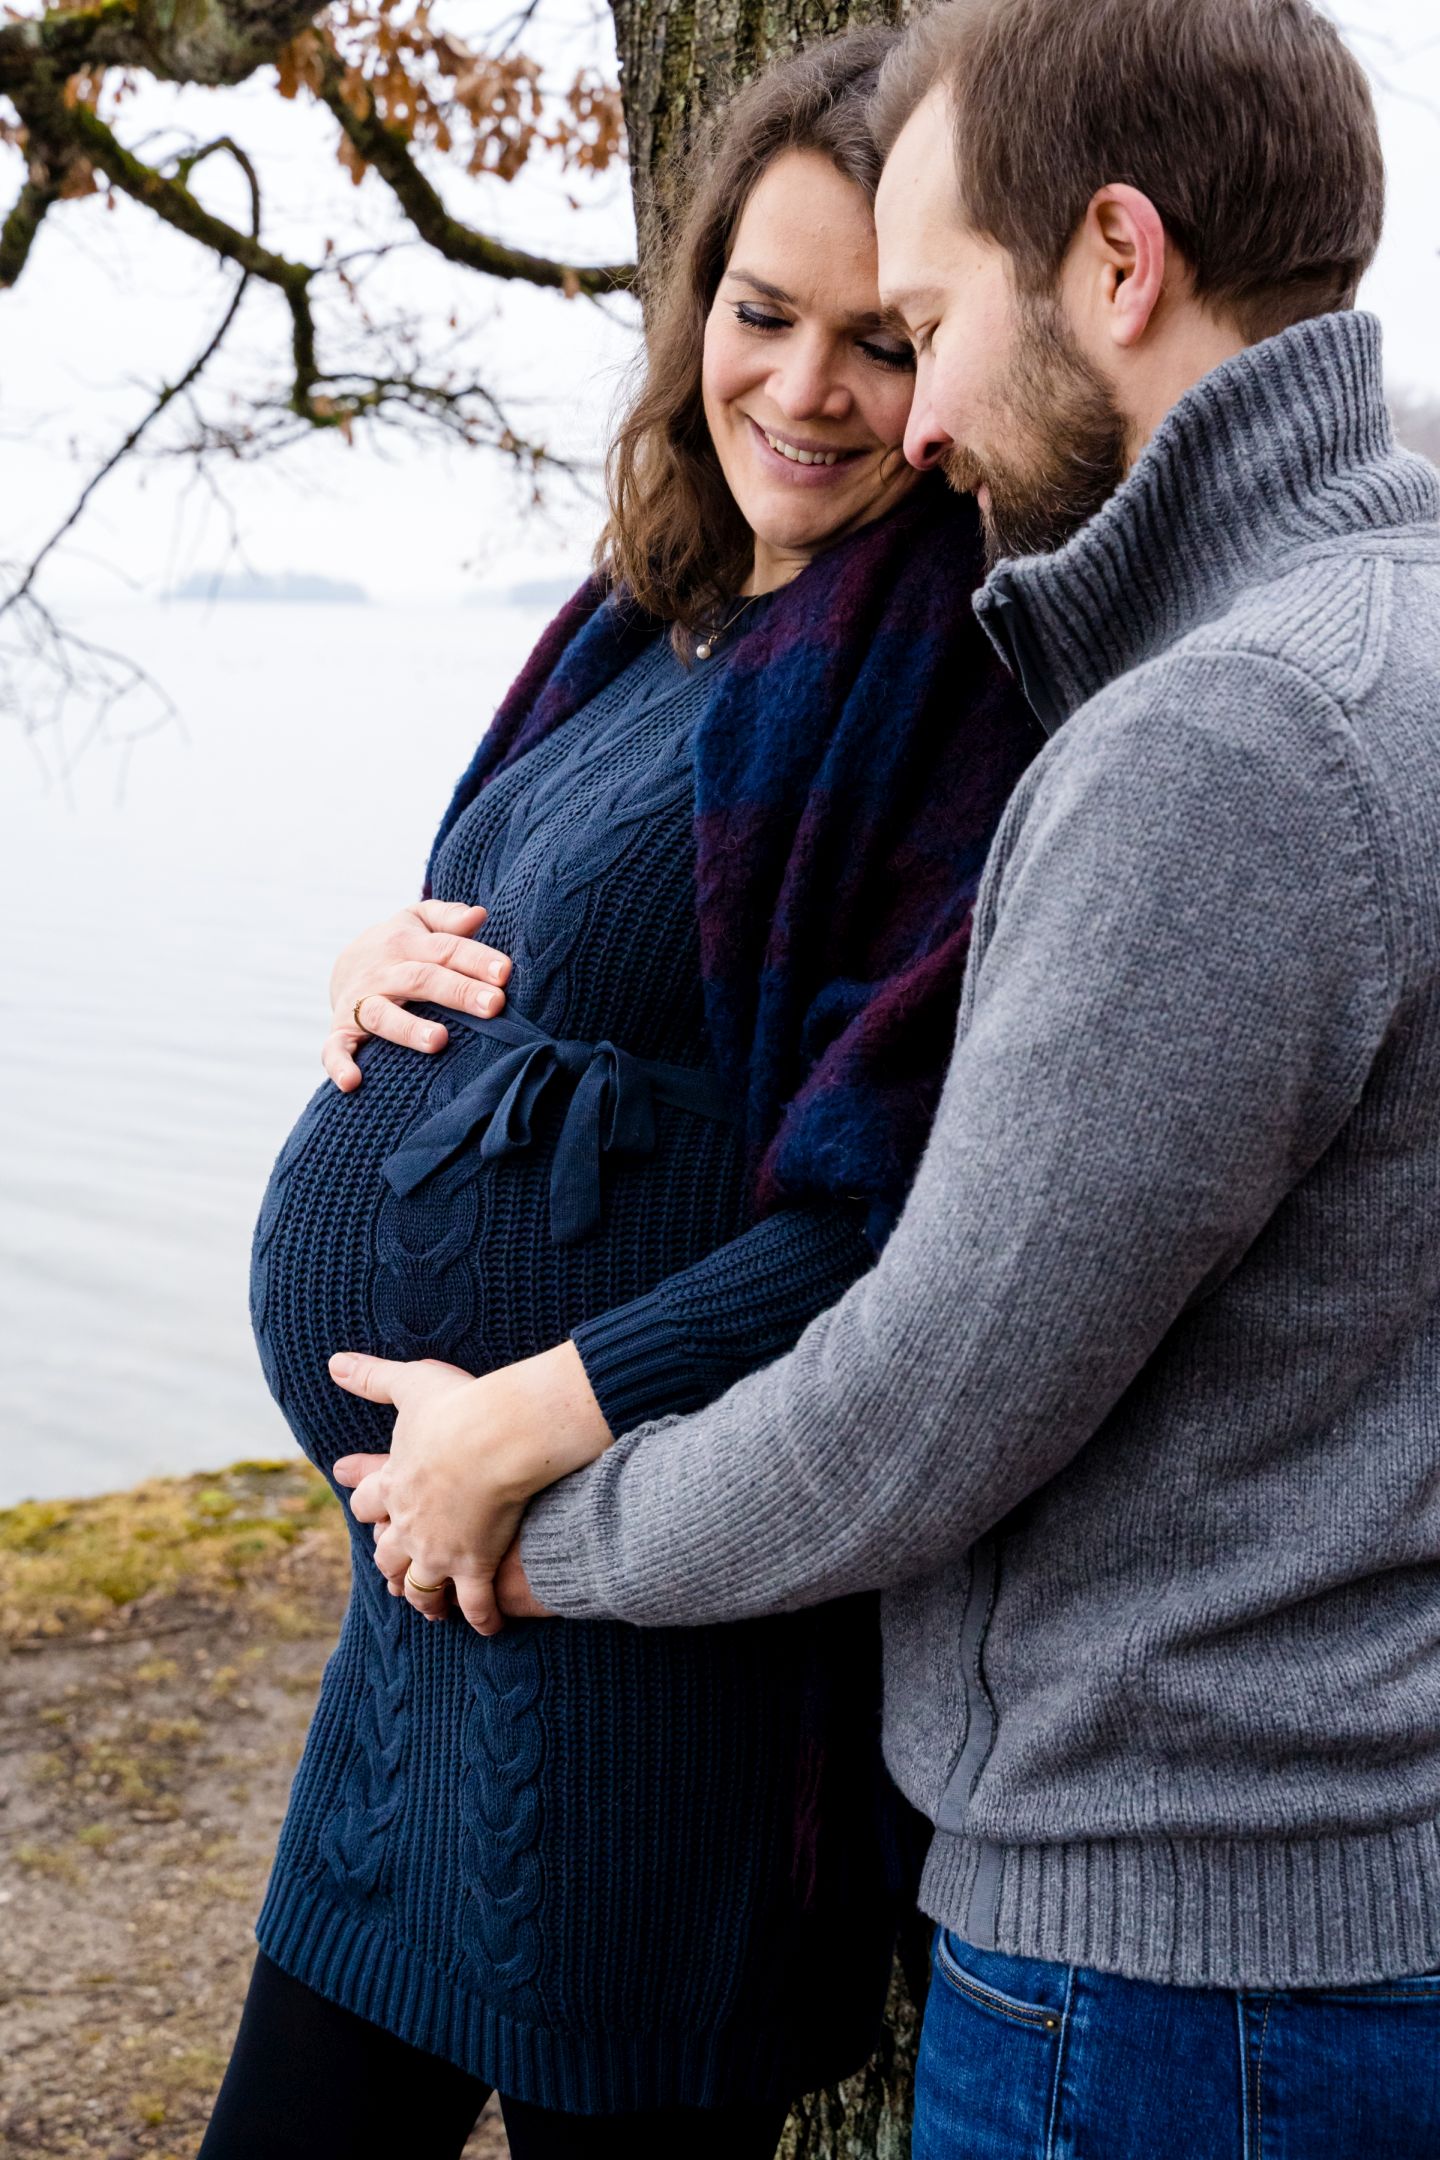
<point>1006,403</point>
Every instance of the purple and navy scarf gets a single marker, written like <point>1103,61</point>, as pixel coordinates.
<point>850,771</point>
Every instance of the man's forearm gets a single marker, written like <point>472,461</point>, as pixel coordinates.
<point>1159,1038</point>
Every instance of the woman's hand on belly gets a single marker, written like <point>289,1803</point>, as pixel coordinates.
<point>465,1456</point>
<point>427,951</point>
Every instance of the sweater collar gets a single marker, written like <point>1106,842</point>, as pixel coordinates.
<point>1287,444</point>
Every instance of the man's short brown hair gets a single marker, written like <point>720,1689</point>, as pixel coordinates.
<point>1247,123</point>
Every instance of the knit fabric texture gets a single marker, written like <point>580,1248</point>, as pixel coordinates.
<point>1138,1416</point>
<point>599,1869</point>
<point>852,763</point>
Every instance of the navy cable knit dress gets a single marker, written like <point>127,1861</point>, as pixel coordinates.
<point>600,1868</point>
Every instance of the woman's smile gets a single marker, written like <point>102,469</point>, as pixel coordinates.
<point>804,461</point>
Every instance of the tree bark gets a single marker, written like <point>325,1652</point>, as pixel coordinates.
<point>867,2117</point>
<point>678,58</point>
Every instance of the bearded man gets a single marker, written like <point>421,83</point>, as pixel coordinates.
<point>1136,1422</point>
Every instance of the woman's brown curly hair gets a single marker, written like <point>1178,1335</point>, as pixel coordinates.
<point>675,536</point>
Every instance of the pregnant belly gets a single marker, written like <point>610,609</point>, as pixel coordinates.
<point>313,1257</point>
<point>464,1267</point>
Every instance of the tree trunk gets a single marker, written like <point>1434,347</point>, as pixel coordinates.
<point>867,2117</point>
<point>678,58</point>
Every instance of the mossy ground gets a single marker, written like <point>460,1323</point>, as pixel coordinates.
<point>160,1652</point>
<point>71,1565</point>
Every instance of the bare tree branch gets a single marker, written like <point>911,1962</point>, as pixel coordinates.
<point>122,450</point>
<point>206,41</point>
<point>388,154</point>
<point>399,93</point>
<point>62,131</point>
<point>47,670</point>
<point>223,41</point>
<point>17,235</point>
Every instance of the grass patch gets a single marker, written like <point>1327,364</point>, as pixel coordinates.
<point>156,1671</point>
<point>171,2080</point>
<point>137,1763</point>
<point>68,1566</point>
<point>97,1836</point>
<point>42,1860</point>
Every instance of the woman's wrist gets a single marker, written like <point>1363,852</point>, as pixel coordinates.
<point>546,1420</point>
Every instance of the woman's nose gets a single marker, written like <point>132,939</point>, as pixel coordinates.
<point>806,388</point>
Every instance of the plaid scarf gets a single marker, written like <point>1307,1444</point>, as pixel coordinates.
<point>850,770</point>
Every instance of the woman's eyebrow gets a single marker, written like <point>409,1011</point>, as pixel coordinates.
<point>760,285</point>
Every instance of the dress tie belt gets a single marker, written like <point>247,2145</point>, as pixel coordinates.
<point>611,1111</point>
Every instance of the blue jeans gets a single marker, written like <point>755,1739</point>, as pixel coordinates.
<point>1021,2060</point>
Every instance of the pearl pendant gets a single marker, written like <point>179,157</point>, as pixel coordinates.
<point>703,651</point>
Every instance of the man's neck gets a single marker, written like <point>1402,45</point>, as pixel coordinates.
<point>1285,446</point>
<point>1186,348</point>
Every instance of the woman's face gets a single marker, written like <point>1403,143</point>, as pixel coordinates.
<point>806,390</point>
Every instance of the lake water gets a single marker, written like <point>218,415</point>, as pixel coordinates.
<point>164,959</point>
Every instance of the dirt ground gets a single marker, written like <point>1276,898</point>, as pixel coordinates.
<point>160,1652</point>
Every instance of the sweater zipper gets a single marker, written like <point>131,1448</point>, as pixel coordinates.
<point>1005,619</point>
<point>980,1726</point>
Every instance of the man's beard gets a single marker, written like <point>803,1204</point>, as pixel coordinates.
<point>1061,410</point>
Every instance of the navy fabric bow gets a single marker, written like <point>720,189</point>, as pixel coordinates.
<point>611,1111</point>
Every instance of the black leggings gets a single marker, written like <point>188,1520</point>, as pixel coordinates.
<point>309,2081</point>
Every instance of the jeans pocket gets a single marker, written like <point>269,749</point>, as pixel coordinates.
<point>990,1981</point>
<point>988,2079</point>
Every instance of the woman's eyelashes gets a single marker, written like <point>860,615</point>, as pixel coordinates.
<point>898,358</point>
<point>755,318</point>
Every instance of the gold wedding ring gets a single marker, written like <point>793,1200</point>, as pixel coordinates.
<point>427,1589</point>
<point>355,1010</point>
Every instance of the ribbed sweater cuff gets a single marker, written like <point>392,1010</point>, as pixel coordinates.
<point>639,1363</point>
<point>562,1561</point>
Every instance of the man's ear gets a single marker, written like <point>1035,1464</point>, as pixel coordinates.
<point>1121,251</point>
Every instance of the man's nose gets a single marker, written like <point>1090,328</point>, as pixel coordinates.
<point>926,441</point>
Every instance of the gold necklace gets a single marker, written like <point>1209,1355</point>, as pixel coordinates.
<point>708,643</point>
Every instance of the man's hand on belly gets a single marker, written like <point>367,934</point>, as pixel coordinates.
<point>466,1454</point>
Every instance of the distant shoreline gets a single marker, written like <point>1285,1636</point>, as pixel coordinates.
<point>300,585</point>
<point>307,588</point>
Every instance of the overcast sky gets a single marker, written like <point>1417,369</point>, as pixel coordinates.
<point>112,303</point>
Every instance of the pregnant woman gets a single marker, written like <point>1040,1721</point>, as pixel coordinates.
<point>727,826</point>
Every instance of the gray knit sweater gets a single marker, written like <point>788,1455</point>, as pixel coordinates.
<point>1137,1420</point>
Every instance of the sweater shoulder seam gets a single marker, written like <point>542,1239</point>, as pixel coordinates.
<point>1354,772</point>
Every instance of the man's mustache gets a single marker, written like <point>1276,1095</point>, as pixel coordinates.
<point>962,469</point>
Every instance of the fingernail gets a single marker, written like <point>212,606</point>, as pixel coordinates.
<point>497,971</point>
<point>341,1366</point>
